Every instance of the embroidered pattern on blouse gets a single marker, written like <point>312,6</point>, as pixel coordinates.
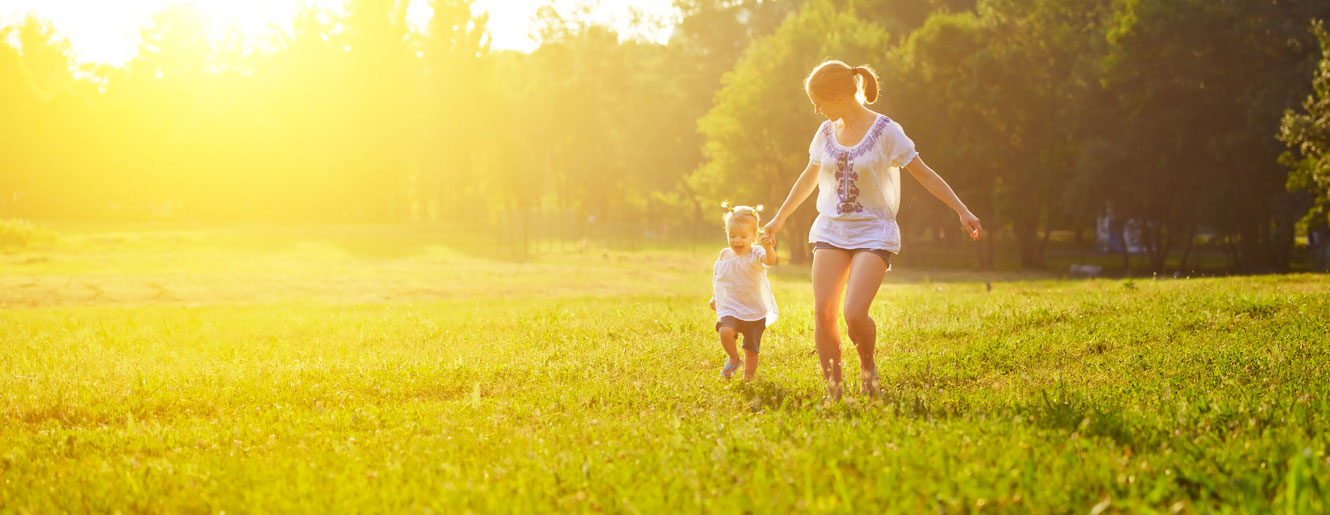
<point>847,189</point>
<point>847,193</point>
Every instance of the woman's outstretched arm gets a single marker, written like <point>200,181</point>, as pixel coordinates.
<point>798,193</point>
<point>939,188</point>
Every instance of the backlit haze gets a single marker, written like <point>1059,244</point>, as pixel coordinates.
<point>108,32</point>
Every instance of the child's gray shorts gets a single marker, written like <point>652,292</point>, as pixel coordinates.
<point>752,331</point>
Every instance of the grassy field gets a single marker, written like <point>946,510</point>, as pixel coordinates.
<point>322,369</point>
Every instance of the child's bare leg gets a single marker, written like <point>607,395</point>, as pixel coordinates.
<point>750,364</point>
<point>727,337</point>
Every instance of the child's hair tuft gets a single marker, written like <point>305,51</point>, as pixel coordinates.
<point>747,214</point>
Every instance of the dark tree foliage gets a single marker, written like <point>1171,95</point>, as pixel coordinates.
<point>1044,116</point>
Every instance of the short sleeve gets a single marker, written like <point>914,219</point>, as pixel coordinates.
<point>897,147</point>
<point>759,255</point>
<point>818,145</point>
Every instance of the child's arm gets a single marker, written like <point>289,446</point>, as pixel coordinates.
<point>769,256</point>
<point>713,303</point>
<point>939,188</point>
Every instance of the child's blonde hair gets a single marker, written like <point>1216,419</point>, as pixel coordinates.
<point>742,214</point>
<point>833,78</point>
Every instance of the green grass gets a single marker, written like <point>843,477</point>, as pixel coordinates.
<point>389,370</point>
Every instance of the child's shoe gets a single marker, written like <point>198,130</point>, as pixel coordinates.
<point>731,365</point>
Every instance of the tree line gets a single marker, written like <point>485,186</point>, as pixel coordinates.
<point>1046,115</point>
<point>1166,117</point>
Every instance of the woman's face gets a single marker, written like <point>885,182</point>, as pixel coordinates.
<point>833,109</point>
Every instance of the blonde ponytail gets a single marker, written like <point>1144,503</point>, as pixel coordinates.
<point>835,78</point>
<point>867,83</point>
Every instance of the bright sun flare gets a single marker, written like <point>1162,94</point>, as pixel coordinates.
<point>106,31</point>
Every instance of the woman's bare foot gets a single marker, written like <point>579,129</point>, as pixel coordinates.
<point>833,390</point>
<point>869,384</point>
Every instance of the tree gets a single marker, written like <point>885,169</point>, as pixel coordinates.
<point>680,84</point>
<point>901,17</point>
<point>1194,143</point>
<point>757,133</point>
<point>1000,95</point>
<point>14,98</point>
<point>166,88</point>
<point>1307,135</point>
<point>931,87</point>
<point>1038,70</point>
<point>44,112</point>
<point>381,109</point>
<point>459,92</point>
<point>308,108</point>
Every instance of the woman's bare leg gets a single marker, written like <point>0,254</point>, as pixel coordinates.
<point>866,272</point>
<point>831,268</point>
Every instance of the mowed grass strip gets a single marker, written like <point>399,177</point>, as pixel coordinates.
<point>1045,396</point>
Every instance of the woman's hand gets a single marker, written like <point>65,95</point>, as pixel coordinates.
<point>970,223</point>
<point>769,231</point>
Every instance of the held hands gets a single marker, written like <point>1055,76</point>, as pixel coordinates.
<point>713,303</point>
<point>767,237</point>
<point>970,223</point>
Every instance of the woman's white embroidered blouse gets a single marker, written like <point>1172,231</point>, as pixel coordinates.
<point>859,187</point>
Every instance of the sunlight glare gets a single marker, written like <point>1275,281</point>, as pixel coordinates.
<point>108,32</point>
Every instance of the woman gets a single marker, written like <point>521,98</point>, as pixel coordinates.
<point>854,161</point>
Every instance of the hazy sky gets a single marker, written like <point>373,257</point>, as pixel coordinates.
<point>107,31</point>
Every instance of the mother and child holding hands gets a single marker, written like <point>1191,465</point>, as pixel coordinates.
<point>854,161</point>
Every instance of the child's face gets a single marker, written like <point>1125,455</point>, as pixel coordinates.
<point>742,235</point>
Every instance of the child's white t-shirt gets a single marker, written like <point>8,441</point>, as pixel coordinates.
<point>859,186</point>
<point>741,287</point>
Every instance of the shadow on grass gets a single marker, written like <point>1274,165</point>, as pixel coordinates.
<point>763,395</point>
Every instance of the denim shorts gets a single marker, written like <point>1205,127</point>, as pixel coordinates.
<point>884,254</point>
<point>751,331</point>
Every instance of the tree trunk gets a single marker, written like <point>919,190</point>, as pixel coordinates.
<point>1186,250</point>
<point>796,236</point>
<point>1027,241</point>
<point>1157,244</point>
<point>1283,236</point>
<point>1231,253</point>
<point>1126,255</point>
<point>1043,246</point>
<point>1248,248</point>
<point>988,259</point>
<point>526,226</point>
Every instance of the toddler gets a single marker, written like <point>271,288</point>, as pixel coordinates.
<point>742,295</point>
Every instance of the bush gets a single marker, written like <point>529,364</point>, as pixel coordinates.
<point>18,234</point>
